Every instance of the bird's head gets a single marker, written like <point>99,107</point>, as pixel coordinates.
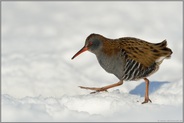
<point>93,44</point>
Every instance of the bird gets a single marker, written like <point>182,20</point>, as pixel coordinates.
<point>128,58</point>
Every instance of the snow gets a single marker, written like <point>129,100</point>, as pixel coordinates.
<point>40,81</point>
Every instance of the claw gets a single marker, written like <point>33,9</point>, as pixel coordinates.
<point>93,88</point>
<point>102,88</point>
<point>146,101</point>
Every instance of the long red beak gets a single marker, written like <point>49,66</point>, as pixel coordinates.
<point>80,51</point>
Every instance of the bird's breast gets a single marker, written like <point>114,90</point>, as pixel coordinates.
<point>112,64</point>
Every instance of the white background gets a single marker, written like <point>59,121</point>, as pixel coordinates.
<point>40,81</point>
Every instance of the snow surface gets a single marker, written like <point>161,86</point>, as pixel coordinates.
<point>40,81</point>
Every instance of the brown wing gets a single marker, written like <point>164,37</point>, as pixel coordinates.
<point>144,52</point>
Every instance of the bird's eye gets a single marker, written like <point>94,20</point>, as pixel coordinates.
<point>90,43</point>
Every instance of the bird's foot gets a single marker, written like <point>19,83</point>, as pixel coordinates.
<point>146,100</point>
<point>93,88</point>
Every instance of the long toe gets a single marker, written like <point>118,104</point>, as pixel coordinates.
<point>146,100</point>
<point>90,88</point>
<point>98,91</point>
<point>95,89</point>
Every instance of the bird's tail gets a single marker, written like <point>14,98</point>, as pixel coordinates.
<point>164,50</point>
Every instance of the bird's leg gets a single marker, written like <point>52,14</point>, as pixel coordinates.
<point>102,88</point>
<point>146,91</point>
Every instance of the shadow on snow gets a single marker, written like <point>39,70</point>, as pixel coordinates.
<point>140,89</point>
